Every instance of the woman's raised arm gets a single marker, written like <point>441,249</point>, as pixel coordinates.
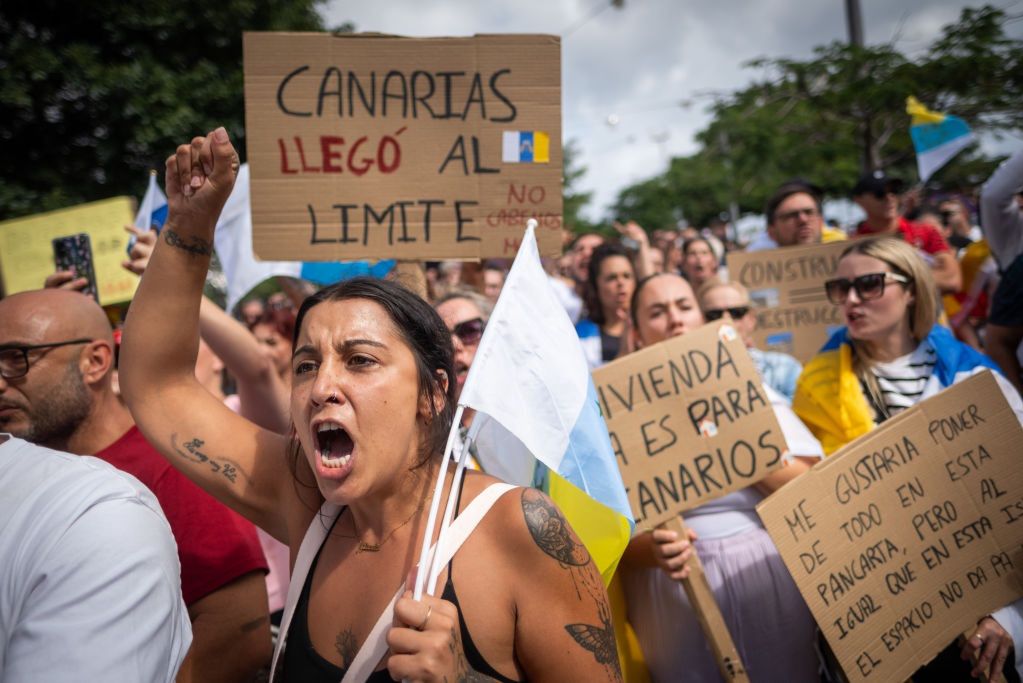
<point>241,465</point>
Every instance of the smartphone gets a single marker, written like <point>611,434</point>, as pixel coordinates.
<point>74,253</point>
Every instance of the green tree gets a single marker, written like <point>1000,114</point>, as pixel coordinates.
<point>92,94</point>
<point>814,118</point>
<point>572,199</point>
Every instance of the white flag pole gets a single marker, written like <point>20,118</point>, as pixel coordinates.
<point>449,514</point>
<point>431,521</point>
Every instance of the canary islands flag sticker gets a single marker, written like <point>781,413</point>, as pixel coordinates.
<point>525,147</point>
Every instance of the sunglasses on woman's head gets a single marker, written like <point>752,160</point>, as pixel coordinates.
<point>868,287</point>
<point>712,314</point>
<point>469,332</point>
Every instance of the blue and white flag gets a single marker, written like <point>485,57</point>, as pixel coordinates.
<point>535,403</point>
<point>233,243</point>
<point>936,137</point>
<point>153,209</point>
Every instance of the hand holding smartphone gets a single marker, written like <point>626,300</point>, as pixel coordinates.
<point>74,253</point>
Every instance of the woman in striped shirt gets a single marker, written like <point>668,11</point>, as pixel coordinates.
<point>890,356</point>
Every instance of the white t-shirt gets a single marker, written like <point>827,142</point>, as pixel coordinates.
<point>1001,218</point>
<point>90,585</point>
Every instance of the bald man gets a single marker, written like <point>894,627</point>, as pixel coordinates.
<point>57,358</point>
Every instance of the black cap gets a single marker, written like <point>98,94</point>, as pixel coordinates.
<point>789,188</point>
<point>877,182</point>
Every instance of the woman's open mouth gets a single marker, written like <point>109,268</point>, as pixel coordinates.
<point>333,445</point>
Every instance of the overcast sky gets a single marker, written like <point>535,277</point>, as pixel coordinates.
<point>652,65</point>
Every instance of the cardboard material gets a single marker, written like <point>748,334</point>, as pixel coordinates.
<point>371,146</point>
<point>26,247</point>
<point>689,421</point>
<point>909,535</point>
<point>786,286</point>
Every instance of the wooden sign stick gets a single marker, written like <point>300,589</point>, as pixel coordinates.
<point>707,611</point>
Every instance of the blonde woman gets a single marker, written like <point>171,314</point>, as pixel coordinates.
<point>890,356</point>
<point>778,370</point>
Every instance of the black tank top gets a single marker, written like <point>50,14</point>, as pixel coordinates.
<point>303,663</point>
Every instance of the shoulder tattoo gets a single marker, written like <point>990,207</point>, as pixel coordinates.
<point>550,531</point>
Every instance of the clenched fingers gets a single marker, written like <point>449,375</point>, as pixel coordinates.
<point>183,170</point>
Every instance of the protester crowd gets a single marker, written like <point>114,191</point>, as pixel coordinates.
<point>287,451</point>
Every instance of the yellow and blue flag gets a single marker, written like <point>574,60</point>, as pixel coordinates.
<point>537,411</point>
<point>525,147</point>
<point>936,137</point>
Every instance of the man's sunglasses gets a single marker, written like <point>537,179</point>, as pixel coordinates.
<point>712,314</point>
<point>469,332</point>
<point>868,287</point>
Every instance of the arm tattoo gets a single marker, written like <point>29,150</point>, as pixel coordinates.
<point>346,647</point>
<point>550,530</point>
<point>196,246</point>
<point>191,451</point>
<point>600,640</point>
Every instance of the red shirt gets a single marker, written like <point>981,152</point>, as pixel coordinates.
<point>924,237</point>
<point>215,544</point>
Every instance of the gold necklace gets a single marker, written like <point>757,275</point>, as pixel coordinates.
<point>365,547</point>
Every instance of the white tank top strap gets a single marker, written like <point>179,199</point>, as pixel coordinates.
<point>375,646</point>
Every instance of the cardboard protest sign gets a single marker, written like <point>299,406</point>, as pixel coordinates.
<point>786,286</point>
<point>908,536</point>
<point>371,146</point>
<point>689,421</point>
<point>26,247</point>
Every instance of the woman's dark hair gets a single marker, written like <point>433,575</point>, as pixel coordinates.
<point>592,297</point>
<point>426,336</point>
<point>280,318</point>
